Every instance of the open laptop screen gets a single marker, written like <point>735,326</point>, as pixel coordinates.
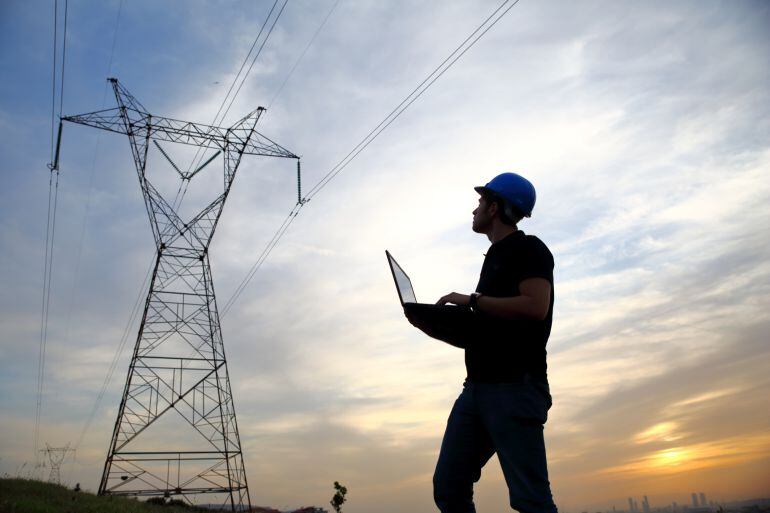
<point>403,283</point>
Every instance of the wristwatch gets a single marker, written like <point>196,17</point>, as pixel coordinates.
<point>474,300</point>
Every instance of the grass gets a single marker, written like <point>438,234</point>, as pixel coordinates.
<point>28,496</point>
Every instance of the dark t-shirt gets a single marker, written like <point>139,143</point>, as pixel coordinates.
<point>506,350</point>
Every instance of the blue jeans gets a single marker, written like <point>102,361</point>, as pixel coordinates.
<point>502,418</point>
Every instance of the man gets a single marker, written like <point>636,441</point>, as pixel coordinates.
<point>505,397</point>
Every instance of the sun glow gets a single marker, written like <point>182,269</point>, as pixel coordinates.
<point>686,458</point>
<point>670,457</point>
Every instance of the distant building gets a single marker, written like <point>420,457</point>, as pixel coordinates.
<point>631,505</point>
<point>694,500</point>
<point>703,499</point>
<point>646,505</point>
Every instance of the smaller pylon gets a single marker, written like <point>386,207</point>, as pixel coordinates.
<point>56,456</point>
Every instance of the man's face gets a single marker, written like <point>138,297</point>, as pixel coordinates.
<point>482,216</point>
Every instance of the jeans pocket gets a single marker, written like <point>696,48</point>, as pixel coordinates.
<point>525,401</point>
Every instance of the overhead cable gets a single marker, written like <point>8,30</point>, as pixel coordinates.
<point>85,217</point>
<point>50,230</point>
<point>40,358</point>
<point>447,63</point>
<point>53,191</point>
<point>53,74</point>
<point>302,55</point>
<point>196,160</point>
<point>143,286</point>
<point>414,95</point>
<point>76,275</point>
<point>63,59</point>
<point>262,257</point>
<point>254,60</point>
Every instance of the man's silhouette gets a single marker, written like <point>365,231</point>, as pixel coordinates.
<point>505,397</point>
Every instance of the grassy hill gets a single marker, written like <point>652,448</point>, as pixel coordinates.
<point>27,496</point>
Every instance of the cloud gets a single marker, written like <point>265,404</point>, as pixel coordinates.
<point>679,421</point>
<point>644,129</point>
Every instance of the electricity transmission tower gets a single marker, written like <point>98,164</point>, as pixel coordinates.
<point>56,457</point>
<point>176,432</point>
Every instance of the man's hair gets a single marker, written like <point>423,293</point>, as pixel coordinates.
<point>509,214</point>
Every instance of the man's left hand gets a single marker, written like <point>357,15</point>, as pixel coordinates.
<point>455,298</point>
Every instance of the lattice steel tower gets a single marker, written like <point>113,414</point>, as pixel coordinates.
<point>56,457</point>
<point>176,432</point>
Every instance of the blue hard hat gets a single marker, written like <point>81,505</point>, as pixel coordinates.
<point>515,189</point>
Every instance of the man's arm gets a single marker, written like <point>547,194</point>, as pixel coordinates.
<point>533,303</point>
<point>452,337</point>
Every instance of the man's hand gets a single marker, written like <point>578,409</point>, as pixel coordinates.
<point>455,298</point>
<point>417,321</point>
<point>413,319</point>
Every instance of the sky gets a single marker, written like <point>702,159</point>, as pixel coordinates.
<point>643,125</point>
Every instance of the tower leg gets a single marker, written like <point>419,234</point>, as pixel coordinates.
<point>176,433</point>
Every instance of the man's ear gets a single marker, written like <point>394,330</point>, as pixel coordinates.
<point>493,208</point>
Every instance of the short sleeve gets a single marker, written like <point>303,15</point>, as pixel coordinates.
<point>536,260</point>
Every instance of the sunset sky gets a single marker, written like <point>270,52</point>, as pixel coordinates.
<point>645,127</point>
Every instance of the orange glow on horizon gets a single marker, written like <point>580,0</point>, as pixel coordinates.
<point>687,458</point>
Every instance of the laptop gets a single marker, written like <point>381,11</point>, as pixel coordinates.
<point>403,283</point>
<point>450,323</point>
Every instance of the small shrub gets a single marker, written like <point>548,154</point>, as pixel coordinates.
<point>339,497</point>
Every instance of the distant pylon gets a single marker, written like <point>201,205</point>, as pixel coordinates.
<point>56,456</point>
<point>176,433</point>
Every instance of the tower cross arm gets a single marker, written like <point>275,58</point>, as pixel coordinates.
<point>141,124</point>
<point>107,119</point>
<point>258,144</point>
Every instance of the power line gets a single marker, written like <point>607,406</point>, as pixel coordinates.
<point>255,58</point>
<point>53,75</point>
<point>76,274</point>
<point>447,63</point>
<point>262,257</point>
<point>413,96</point>
<point>63,58</point>
<point>46,298</point>
<point>293,213</point>
<point>47,236</point>
<point>312,39</point>
<point>134,310</point>
<point>53,190</point>
<point>196,160</point>
<point>245,60</point>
